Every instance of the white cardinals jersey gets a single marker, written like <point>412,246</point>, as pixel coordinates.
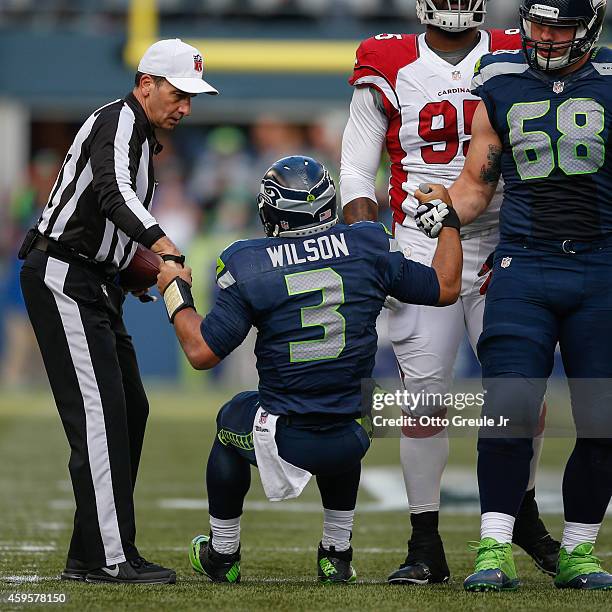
<point>430,107</point>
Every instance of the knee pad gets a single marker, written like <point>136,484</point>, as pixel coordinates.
<point>591,398</point>
<point>516,448</point>
<point>514,406</point>
<point>597,451</point>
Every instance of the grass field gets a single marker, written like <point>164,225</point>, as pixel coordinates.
<point>279,540</point>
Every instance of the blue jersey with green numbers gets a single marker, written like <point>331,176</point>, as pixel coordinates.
<point>314,302</point>
<point>555,132</point>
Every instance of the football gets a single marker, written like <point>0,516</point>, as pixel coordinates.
<point>142,271</point>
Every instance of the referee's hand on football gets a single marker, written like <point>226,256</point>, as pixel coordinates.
<point>168,271</point>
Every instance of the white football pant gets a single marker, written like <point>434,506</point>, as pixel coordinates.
<point>426,340</point>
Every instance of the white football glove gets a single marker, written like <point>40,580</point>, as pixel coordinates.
<point>430,217</point>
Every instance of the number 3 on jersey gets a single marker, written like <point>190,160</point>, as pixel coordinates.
<point>325,314</point>
<point>439,124</point>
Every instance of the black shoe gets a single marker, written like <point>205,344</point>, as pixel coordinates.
<point>426,561</point>
<point>75,570</point>
<point>334,567</point>
<point>531,535</point>
<point>544,553</point>
<point>216,566</point>
<point>133,571</point>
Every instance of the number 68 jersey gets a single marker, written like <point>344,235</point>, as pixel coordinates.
<point>430,106</point>
<point>554,131</point>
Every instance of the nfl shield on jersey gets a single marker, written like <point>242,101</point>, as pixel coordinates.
<point>430,108</point>
<point>554,133</point>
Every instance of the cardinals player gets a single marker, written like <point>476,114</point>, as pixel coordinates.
<point>412,96</point>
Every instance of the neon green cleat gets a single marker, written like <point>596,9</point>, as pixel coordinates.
<point>581,569</point>
<point>494,570</point>
<point>217,567</point>
<point>334,567</point>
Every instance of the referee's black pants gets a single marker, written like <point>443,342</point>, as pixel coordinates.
<point>92,368</point>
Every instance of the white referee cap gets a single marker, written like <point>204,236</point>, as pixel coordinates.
<point>179,63</point>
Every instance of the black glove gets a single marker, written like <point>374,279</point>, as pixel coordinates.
<point>146,298</point>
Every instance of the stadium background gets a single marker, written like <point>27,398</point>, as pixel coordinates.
<point>282,69</point>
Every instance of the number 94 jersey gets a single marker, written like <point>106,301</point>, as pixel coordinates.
<point>429,107</point>
<point>554,132</point>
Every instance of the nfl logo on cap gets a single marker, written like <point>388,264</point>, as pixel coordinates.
<point>179,63</point>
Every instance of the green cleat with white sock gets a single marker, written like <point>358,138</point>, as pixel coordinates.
<point>217,567</point>
<point>495,570</point>
<point>334,567</point>
<point>581,569</point>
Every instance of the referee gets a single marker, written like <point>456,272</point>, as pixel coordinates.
<point>97,214</point>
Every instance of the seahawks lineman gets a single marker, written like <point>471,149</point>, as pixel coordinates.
<point>412,95</point>
<point>544,122</point>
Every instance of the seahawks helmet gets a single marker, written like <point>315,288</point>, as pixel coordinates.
<point>452,15</point>
<point>586,16</point>
<point>297,198</point>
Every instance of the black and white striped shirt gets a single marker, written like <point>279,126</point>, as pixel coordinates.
<point>99,204</point>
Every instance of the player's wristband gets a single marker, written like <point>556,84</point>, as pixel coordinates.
<point>452,219</point>
<point>177,297</point>
<point>179,259</point>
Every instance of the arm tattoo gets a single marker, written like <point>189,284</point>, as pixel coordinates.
<point>491,172</point>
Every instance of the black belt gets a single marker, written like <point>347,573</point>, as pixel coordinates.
<point>316,420</point>
<point>567,247</point>
<point>46,245</point>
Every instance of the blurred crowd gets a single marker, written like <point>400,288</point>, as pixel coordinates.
<point>208,177</point>
<point>208,180</point>
<point>501,11</point>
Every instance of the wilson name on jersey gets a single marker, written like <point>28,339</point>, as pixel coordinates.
<point>430,106</point>
<point>554,131</point>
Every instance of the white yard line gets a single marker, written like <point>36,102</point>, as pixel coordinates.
<point>28,578</point>
<point>385,488</point>
<point>29,548</point>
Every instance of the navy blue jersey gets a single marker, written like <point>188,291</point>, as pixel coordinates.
<point>555,132</point>
<point>314,302</point>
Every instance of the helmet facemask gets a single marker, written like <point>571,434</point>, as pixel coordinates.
<point>454,15</point>
<point>546,56</point>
